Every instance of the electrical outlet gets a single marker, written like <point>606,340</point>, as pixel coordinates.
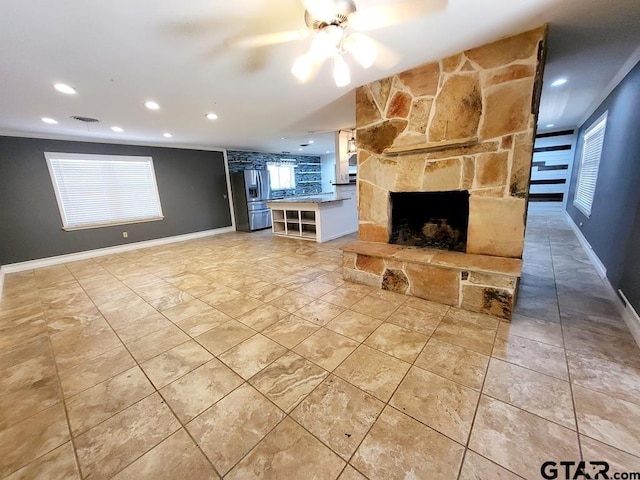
<point>125,235</point>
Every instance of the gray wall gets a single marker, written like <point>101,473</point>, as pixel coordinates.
<point>308,176</point>
<point>191,183</point>
<point>630,280</point>
<point>614,215</point>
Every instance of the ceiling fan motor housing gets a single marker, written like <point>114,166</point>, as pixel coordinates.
<point>343,8</point>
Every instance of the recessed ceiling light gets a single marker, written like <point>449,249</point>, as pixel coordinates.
<point>152,105</point>
<point>117,129</point>
<point>549,125</point>
<point>327,151</point>
<point>310,141</point>
<point>167,135</point>
<point>211,116</point>
<point>558,82</point>
<point>50,121</point>
<point>64,88</point>
<point>299,149</point>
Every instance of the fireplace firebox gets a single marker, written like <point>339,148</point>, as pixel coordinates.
<point>430,219</point>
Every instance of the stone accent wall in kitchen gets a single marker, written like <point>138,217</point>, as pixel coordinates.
<point>466,122</point>
<point>308,177</point>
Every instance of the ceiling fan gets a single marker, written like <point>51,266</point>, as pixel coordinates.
<point>336,26</point>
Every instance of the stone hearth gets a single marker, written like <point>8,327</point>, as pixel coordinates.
<point>463,124</point>
<point>479,283</point>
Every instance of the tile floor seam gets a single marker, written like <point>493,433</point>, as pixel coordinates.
<point>564,344</point>
<point>62,399</point>
<point>144,452</point>
<point>102,381</point>
<point>346,462</point>
<point>286,415</point>
<point>246,382</point>
<point>49,280</point>
<point>138,364</point>
<point>489,460</point>
<point>530,413</point>
<point>510,362</point>
<point>603,442</point>
<point>387,404</point>
<point>475,412</point>
<point>531,340</point>
<point>66,414</point>
<point>294,346</point>
<point>452,380</point>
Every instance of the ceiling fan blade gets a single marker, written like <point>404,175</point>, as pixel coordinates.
<point>254,41</point>
<point>367,51</point>
<point>387,57</point>
<point>305,68</point>
<point>391,14</point>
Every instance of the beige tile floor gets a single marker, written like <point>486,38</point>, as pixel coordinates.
<point>243,356</point>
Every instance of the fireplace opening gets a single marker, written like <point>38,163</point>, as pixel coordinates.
<point>430,219</point>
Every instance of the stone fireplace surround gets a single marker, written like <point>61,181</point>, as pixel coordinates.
<point>465,123</point>
<point>430,219</point>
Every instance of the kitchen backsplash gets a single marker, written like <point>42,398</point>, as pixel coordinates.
<point>308,177</point>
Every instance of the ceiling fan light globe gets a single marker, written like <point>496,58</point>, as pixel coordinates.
<point>301,68</point>
<point>362,48</point>
<point>326,42</point>
<point>341,74</point>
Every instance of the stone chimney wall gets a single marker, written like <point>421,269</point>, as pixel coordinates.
<point>466,122</point>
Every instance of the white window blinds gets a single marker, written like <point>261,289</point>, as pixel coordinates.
<point>99,190</point>
<point>282,175</point>
<point>589,165</point>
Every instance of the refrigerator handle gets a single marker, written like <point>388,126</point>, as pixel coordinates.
<point>259,183</point>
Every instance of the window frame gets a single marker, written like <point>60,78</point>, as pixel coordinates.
<point>66,225</point>
<point>580,200</point>
<point>289,164</point>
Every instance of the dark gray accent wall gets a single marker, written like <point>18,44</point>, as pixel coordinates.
<point>308,170</point>
<point>191,184</point>
<point>614,215</point>
<point>630,280</point>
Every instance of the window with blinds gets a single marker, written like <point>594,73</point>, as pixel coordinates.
<point>589,165</point>
<point>100,190</point>
<point>282,174</point>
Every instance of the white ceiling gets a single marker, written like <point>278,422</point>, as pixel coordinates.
<point>118,54</point>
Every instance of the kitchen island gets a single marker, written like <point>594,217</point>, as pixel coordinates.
<point>320,218</point>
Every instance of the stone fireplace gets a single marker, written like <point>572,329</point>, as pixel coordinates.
<point>430,219</point>
<point>444,162</point>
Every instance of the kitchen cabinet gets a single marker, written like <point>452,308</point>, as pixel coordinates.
<point>318,218</point>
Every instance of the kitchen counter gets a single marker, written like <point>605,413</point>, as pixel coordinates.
<point>319,218</point>
<point>320,198</point>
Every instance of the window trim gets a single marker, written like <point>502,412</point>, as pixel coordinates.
<point>49,156</point>
<point>284,162</point>
<point>596,126</point>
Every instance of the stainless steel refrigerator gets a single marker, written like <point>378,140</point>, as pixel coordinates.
<point>251,190</point>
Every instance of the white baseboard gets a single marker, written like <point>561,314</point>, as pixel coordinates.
<point>538,208</point>
<point>631,318</point>
<point>599,266</point>
<point>628,313</point>
<point>100,252</point>
<point>341,234</point>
